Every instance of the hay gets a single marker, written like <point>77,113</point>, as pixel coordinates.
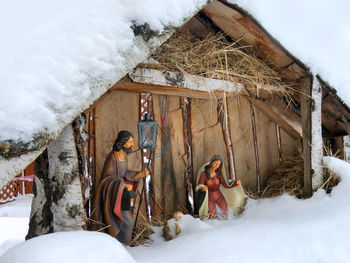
<point>143,230</point>
<point>216,57</point>
<point>286,178</point>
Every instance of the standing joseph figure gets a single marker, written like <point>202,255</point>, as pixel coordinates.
<point>111,209</point>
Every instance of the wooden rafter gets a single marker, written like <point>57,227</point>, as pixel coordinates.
<point>291,126</point>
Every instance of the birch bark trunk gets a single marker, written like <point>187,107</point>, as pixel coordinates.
<point>316,131</point>
<point>58,203</point>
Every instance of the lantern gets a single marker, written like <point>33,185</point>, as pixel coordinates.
<point>147,133</point>
<point>128,200</point>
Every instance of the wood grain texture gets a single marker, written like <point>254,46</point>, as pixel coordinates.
<point>267,144</point>
<point>242,140</point>
<point>115,112</point>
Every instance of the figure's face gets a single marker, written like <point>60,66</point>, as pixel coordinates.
<point>216,164</point>
<point>129,144</point>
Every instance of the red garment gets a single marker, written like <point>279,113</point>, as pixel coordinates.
<point>215,197</point>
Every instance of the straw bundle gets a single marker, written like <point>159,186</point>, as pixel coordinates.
<point>143,230</point>
<point>289,178</point>
<point>216,57</point>
<point>286,178</point>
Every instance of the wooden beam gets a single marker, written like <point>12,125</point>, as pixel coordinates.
<point>225,126</point>
<point>188,176</point>
<point>292,127</point>
<point>181,80</point>
<point>305,98</point>
<point>240,26</point>
<point>316,134</point>
<point>167,90</point>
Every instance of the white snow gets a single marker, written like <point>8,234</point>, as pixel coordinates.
<point>14,222</point>
<point>315,31</point>
<point>77,247</point>
<point>50,52</point>
<point>281,229</point>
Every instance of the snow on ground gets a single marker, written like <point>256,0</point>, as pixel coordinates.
<point>52,51</point>
<point>315,31</point>
<point>77,247</point>
<point>14,222</point>
<point>282,229</point>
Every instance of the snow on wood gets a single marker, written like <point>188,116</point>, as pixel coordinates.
<point>58,201</point>
<point>346,148</point>
<point>316,131</point>
<point>156,77</point>
<point>10,168</point>
<point>67,206</point>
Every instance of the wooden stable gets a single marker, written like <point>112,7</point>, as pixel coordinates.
<point>253,132</point>
<point>259,144</point>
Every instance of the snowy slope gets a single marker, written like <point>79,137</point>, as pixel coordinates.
<point>57,57</point>
<point>281,229</point>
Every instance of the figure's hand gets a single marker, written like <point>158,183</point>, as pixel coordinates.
<point>204,188</point>
<point>143,174</point>
<point>128,187</point>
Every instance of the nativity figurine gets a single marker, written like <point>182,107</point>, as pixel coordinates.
<point>115,196</point>
<point>217,194</point>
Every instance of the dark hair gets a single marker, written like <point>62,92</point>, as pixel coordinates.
<point>122,138</point>
<point>218,170</point>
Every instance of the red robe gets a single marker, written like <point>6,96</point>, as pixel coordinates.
<point>215,197</point>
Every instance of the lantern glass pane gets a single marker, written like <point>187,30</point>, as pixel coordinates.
<point>147,134</point>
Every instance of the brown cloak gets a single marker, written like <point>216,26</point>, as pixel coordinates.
<point>107,214</point>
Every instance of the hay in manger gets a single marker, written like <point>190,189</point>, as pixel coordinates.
<point>218,58</point>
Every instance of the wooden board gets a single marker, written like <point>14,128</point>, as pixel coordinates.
<point>242,141</point>
<point>170,166</point>
<point>206,133</point>
<point>241,27</point>
<point>115,112</point>
<point>267,144</point>
<point>290,146</point>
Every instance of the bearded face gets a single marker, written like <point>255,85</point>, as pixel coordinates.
<point>127,150</point>
<point>127,147</point>
<point>124,141</point>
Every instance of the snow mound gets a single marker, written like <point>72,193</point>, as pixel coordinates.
<point>76,246</point>
<point>19,208</point>
<point>281,229</point>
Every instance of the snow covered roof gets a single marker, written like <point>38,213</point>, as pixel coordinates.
<point>63,55</point>
<point>53,72</point>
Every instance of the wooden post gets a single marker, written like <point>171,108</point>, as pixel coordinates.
<point>146,107</point>
<point>92,155</point>
<point>305,99</point>
<point>58,203</point>
<point>81,138</point>
<point>222,117</point>
<point>316,134</point>
<point>186,116</point>
<point>346,140</point>
<point>255,137</point>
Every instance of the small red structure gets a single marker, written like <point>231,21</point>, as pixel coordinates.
<point>23,184</point>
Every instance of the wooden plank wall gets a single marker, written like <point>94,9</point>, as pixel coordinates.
<point>207,138</point>
<point>170,193</point>
<point>113,113</point>
<point>242,141</point>
<point>267,145</point>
